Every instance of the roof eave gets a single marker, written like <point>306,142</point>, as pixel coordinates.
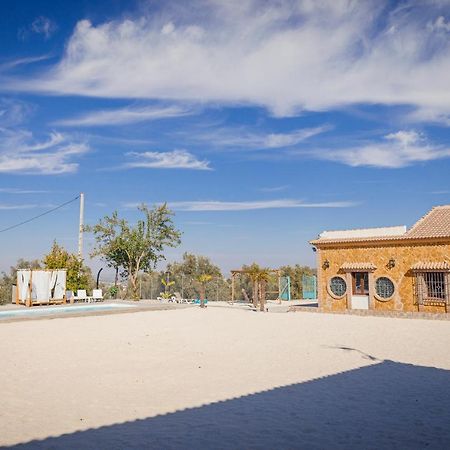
<point>391,240</point>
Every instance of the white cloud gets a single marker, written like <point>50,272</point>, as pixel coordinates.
<point>253,205</point>
<point>4,207</point>
<point>13,112</point>
<point>399,149</point>
<point>274,188</point>
<point>287,55</point>
<point>23,61</point>
<point>439,115</point>
<point>17,191</point>
<point>41,25</point>
<point>404,138</point>
<point>241,138</point>
<point>176,159</point>
<point>440,24</point>
<point>121,116</point>
<point>21,153</point>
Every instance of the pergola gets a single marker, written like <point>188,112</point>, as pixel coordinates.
<point>236,272</point>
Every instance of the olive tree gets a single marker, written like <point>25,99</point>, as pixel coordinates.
<point>135,248</point>
<point>188,273</point>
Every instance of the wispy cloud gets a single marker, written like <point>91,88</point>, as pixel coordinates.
<point>215,205</point>
<point>21,153</point>
<point>243,139</point>
<point>176,159</point>
<point>13,112</point>
<point>436,114</point>
<point>17,191</point>
<point>273,54</point>
<point>397,150</point>
<point>274,188</point>
<point>23,61</point>
<point>122,116</point>
<point>4,207</point>
<point>41,25</point>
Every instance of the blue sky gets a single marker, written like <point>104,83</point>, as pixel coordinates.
<point>261,123</point>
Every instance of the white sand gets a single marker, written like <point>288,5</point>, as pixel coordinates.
<point>90,378</point>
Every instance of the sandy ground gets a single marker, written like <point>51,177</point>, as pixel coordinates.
<point>225,378</point>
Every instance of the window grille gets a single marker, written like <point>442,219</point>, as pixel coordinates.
<point>338,286</point>
<point>432,287</point>
<point>384,287</point>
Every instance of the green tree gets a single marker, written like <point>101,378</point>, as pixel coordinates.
<point>260,277</point>
<point>79,276</point>
<point>263,279</point>
<point>136,248</point>
<point>295,273</point>
<point>186,276</point>
<point>253,272</point>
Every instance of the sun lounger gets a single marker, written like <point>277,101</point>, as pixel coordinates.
<point>81,296</point>
<point>97,295</point>
<point>177,297</point>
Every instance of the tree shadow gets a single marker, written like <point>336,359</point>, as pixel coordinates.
<point>383,405</point>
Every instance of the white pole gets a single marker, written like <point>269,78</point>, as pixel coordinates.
<point>80,231</point>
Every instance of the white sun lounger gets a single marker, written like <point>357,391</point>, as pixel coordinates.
<point>81,296</point>
<point>97,295</point>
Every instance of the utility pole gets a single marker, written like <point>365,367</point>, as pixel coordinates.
<point>80,231</point>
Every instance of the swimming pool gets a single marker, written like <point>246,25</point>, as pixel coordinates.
<point>37,311</point>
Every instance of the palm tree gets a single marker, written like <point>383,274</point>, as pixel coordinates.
<point>263,279</point>
<point>253,273</point>
<point>203,280</point>
<point>167,285</point>
<point>259,276</point>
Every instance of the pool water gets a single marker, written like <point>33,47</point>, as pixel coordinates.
<point>36,311</point>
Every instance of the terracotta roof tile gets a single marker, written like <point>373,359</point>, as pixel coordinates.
<point>434,224</point>
<point>443,265</point>
<point>355,266</point>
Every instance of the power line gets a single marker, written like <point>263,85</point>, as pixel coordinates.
<point>39,215</point>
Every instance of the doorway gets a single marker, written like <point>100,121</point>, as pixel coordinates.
<point>360,290</point>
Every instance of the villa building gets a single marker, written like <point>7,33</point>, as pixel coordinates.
<point>388,268</point>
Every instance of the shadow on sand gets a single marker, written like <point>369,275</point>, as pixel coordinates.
<point>384,405</point>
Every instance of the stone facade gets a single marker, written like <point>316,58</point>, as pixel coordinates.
<point>404,253</point>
